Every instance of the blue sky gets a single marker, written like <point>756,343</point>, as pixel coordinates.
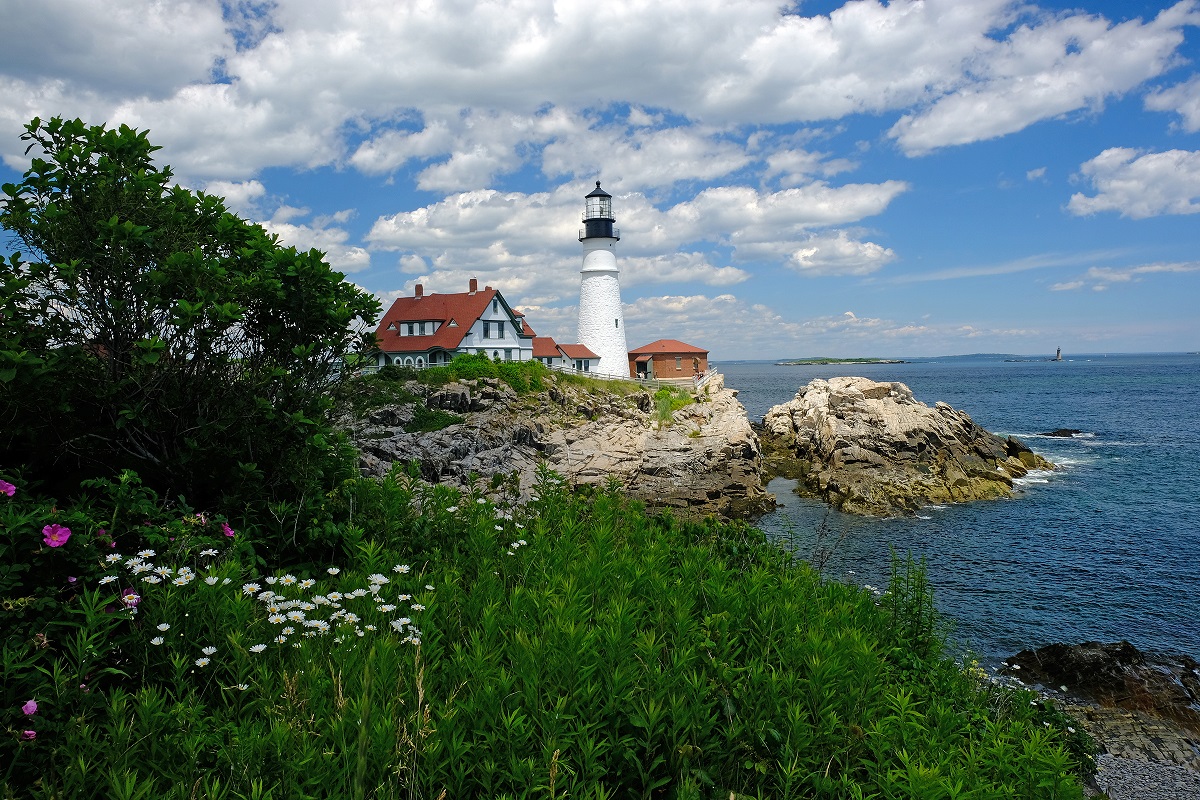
<point>844,179</point>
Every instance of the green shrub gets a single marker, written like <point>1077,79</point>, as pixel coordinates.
<point>156,331</point>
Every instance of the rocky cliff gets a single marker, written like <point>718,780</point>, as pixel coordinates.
<point>705,459</point>
<point>871,448</point>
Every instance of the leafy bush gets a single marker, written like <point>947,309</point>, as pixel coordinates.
<point>156,331</point>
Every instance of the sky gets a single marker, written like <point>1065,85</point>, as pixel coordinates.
<point>889,179</point>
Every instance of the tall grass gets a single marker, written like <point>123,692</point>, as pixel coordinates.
<point>576,647</point>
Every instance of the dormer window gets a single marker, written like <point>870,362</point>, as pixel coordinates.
<point>411,328</point>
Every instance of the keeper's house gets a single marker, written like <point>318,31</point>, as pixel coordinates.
<point>430,329</point>
<point>668,359</point>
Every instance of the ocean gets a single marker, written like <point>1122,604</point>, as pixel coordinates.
<point>1104,548</point>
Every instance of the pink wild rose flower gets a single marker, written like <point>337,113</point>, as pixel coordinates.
<point>30,708</point>
<point>7,488</point>
<point>225,529</point>
<point>55,535</point>
<point>27,736</point>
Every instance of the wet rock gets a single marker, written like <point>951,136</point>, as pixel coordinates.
<point>1062,433</point>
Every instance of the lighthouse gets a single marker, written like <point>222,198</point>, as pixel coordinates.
<point>601,324</point>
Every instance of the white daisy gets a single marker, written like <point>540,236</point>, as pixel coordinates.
<point>271,579</point>
<point>113,558</point>
<point>208,651</point>
<point>333,570</point>
<point>107,579</point>
<point>164,626</point>
<point>152,579</point>
<point>157,640</point>
<point>209,552</point>
<point>211,580</point>
<point>146,554</point>
<point>287,580</point>
<point>201,662</point>
<point>258,648</point>
<point>250,588</point>
<point>401,568</point>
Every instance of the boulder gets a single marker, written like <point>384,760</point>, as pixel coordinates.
<point>871,448</point>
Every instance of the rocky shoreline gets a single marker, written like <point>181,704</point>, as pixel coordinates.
<point>704,459</point>
<point>1143,711</point>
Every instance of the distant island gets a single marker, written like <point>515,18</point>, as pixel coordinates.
<point>798,362</point>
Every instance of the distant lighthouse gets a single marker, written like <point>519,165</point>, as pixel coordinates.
<point>601,324</point>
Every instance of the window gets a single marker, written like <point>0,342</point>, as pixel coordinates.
<point>495,355</point>
<point>420,361</point>
<point>487,330</point>
<point>508,355</point>
<point>410,328</point>
<point>422,328</point>
<point>495,305</point>
<point>616,323</point>
<point>678,362</point>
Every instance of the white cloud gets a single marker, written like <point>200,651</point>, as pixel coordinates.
<point>1182,99</point>
<point>1100,278</point>
<point>1035,174</point>
<point>241,197</point>
<point>1045,70</point>
<point>1140,185</point>
<point>838,254</point>
<point>476,90</point>
<point>322,235</point>
<point>524,233</point>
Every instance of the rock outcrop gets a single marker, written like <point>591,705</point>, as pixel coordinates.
<point>1116,675</point>
<point>705,459</point>
<point>870,448</point>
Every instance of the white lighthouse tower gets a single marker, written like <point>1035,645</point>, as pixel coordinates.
<point>601,324</point>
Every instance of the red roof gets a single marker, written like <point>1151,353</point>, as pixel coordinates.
<point>462,308</point>
<point>667,346</point>
<point>577,351</point>
<point>545,347</point>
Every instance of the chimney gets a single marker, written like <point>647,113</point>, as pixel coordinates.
<point>474,285</point>
<point>419,291</point>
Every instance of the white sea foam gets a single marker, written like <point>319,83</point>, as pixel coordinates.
<point>1026,481</point>
<point>920,516</point>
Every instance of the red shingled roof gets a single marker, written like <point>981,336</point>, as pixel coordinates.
<point>667,346</point>
<point>462,308</point>
<point>577,351</point>
<point>545,347</point>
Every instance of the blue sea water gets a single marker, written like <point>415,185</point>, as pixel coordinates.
<point>1106,547</point>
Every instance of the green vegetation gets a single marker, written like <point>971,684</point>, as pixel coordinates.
<point>578,648</point>
<point>362,638</point>
<point>668,400</point>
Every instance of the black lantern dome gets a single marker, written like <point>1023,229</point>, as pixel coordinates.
<point>598,216</point>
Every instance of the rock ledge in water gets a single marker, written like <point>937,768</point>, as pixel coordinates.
<point>870,448</point>
<point>1117,675</point>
